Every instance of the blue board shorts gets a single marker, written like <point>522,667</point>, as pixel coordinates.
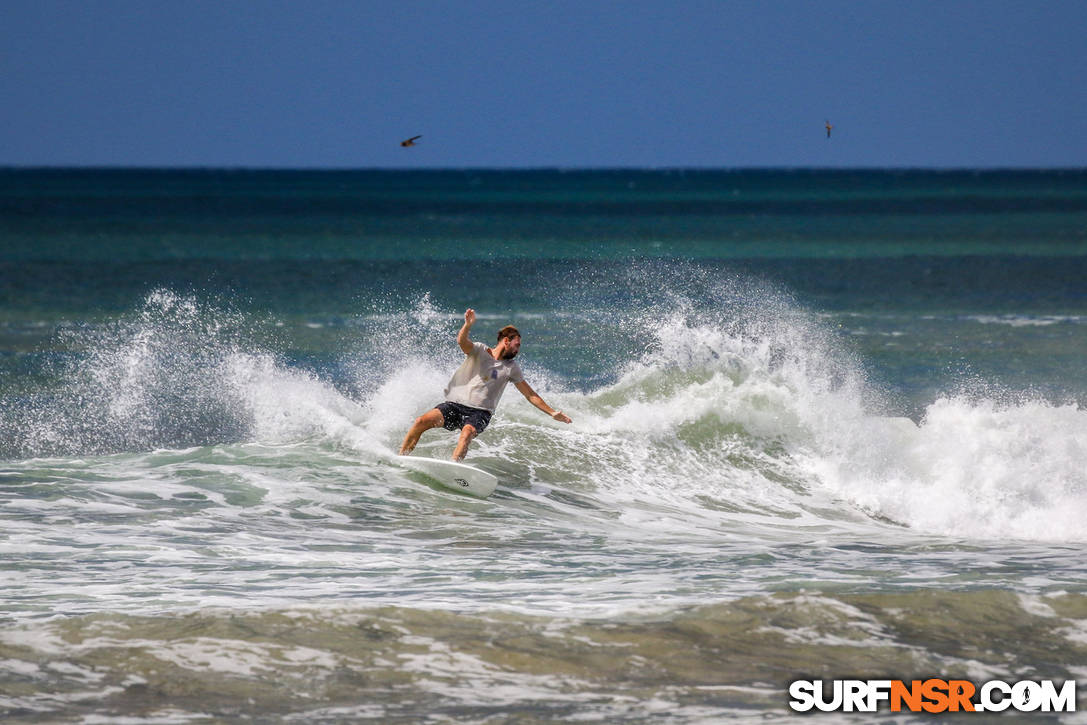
<point>457,416</point>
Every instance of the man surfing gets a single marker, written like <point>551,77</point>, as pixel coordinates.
<point>473,392</point>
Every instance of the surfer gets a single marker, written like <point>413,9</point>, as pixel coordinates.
<point>473,392</point>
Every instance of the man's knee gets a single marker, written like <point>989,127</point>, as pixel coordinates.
<point>430,419</point>
<point>468,431</point>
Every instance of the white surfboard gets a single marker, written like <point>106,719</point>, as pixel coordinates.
<point>458,476</point>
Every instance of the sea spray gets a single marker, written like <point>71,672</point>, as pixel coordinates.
<point>397,360</point>
<point>733,377</point>
<point>721,398</point>
<point>179,372</point>
<point>977,468</point>
<point>717,379</point>
<point>735,399</point>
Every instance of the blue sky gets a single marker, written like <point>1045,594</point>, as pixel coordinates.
<point>543,84</point>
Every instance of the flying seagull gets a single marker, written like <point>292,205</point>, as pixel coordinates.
<point>410,141</point>
<point>828,128</point>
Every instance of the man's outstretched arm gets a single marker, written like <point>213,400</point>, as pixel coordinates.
<point>533,397</point>
<point>462,336</point>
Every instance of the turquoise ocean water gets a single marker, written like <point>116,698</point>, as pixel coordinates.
<point>826,424</point>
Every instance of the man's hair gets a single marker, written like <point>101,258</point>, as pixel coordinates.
<point>508,331</point>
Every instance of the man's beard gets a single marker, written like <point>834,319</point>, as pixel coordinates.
<point>507,355</point>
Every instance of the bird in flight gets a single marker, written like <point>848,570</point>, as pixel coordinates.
<point>828,128</point>
<point>410,141</point>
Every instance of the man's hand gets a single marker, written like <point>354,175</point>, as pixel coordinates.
<point>561,417</point>
<point>463,341</point>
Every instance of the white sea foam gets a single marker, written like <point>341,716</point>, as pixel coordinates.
<point>737,424</point>
<point>973,468</point>
<point>1027,320</point>
<point>759,417</point>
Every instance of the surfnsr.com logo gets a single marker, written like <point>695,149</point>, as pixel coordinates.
<point>932,695</point>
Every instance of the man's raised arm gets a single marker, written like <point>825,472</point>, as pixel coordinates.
<point>462,336</point>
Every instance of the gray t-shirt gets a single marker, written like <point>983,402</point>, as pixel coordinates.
<point>480,379</point>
